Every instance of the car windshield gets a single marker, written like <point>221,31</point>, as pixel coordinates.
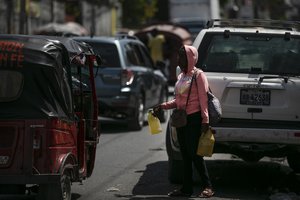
<point>251,54</point>
<point>108,52</point>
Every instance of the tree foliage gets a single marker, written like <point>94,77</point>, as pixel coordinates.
<point>137,12</point>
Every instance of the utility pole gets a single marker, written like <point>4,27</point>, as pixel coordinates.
<point>52,10</point>
<point>23,17</point>
<point>9,5</point>
<point>93,20</point>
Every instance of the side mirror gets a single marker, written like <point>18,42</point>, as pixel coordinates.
<point>78,59</point>
<point>178,71</point>
<point>99,60</point>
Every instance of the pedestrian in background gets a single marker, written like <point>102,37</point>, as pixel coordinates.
<point>156,46</point>
<point>197,120</point>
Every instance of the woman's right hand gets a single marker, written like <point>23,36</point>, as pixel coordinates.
<point>156,110</point>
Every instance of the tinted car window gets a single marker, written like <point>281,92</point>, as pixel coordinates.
<point>132,57</point>
<point>11,84</point>
<point>247,53</point>
<point>146,57</point>
<point>108,52</point>
<point>139,55</point>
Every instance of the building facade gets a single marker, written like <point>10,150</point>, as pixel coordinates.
<point>26,16</point>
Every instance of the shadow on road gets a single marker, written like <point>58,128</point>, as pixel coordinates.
<point>112,128</point>
<point>238,179</point>
<point>232,179</point>
<point>75,196</point>
<point>154,180</point>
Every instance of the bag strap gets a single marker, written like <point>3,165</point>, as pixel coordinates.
<point>197,85</point>
<point>197,88</point>
<point>187,100</point>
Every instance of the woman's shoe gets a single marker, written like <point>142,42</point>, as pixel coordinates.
<point>179,193</point>
<point>207,193</point>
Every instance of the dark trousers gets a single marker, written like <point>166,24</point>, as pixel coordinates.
<point>188,137</point>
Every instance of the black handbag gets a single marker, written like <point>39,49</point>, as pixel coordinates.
<point>214,108</point>
<point>179,116</point>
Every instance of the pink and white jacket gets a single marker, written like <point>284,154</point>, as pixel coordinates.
<point>198,97</point>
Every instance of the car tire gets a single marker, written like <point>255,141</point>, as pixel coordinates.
<point>294,162</point>
<point>59,191</point>
<point>168,143</point>
<point>139,115</point>
<point>66,186</point>
<point>175,167</point>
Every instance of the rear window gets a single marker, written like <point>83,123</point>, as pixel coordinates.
<point>108,52</point>
<point>11,84</point>
<point>250,54</point>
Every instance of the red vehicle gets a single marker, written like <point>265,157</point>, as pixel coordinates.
<point>48,115</point>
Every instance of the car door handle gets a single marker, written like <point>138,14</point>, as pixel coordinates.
<point>254,110</point>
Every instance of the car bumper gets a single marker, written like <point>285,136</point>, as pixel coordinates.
<point>117,107</point>
<point>253,135</point>
<point>30,179</point>
<point>267,142</point>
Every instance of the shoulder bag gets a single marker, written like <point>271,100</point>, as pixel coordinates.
<point>214,107</point>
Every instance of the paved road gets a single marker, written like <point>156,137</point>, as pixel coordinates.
<point>133,166</point>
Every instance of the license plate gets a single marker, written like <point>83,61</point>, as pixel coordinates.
<point>255,97</point>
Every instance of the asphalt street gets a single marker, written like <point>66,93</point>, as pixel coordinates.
<point>133,166</point>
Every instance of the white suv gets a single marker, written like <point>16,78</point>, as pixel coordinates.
<point>253,67</point>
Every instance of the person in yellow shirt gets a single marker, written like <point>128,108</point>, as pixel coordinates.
<point>155,44</point>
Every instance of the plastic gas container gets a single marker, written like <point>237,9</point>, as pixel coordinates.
<point>154,123</point>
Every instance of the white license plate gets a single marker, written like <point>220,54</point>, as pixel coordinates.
<point>255,97</point>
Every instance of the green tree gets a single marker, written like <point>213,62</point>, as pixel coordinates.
<point>138,12</point>
<point>276,8</point>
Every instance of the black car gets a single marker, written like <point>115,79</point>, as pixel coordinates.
<point>128,83</point>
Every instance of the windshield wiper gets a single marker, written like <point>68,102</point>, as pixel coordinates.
<point>285,78</point>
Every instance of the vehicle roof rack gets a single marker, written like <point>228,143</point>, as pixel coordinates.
<point>126,36</point>
<point>248,23</point>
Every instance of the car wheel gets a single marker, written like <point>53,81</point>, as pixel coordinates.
<point>175,167</point>
<point>294,162</point>
<point>139,116</point>
<point>66,187</point>
<point>168,143</point>
<point>59,191</point>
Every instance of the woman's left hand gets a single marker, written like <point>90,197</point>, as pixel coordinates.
<point>204,127</point>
